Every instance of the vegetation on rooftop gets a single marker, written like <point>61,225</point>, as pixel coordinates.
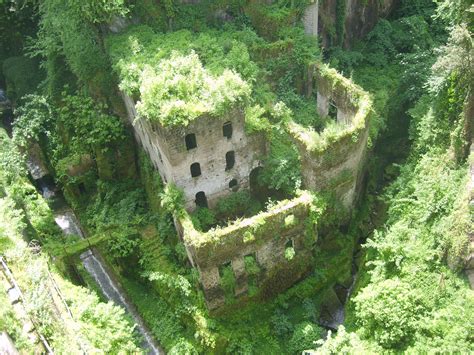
<point>185,60</point>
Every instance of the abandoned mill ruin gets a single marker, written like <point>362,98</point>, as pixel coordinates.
<point>214,155</point>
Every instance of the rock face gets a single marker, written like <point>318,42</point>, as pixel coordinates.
<point>344,21</point>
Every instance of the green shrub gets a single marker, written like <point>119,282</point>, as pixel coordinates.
<point>344,342</point>
<point>203,219</point>
<point>227,282</point>
<point>281,325</point>
<point>183,347</point>
<point>180,89</point>
<point>237,204</point>
<point>304,336</point>
<point>33,120</point>
<point>389,312</point>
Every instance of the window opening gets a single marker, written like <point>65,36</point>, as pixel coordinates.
<point>253,271</point>
<point>227,130</point>
<point>190,141</point>
<point>201,199</point>
<point>82,188</point>
<point>229,160</point>
<point>195,169</point>
<point>332,112</point>
<point>233,185</point>
<point>227,280</point>
<point>289,250</point>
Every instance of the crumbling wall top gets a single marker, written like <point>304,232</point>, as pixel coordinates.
<point>347,96</point>
<point>220,244</point>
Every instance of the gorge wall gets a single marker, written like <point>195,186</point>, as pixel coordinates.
<point>341,22</point>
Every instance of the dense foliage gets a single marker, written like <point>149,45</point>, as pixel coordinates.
<point>179,61</point>
<point>93,326</point>
<point>412,297</point>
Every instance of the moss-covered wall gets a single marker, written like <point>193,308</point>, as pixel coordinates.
<point>266,236</point>
<point>333,159</point>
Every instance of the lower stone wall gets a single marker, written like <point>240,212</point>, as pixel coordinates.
<point>265,236</point>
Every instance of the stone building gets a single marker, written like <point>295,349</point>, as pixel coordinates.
<point>213,156</point>
<point>335,161</point>
<point>208,159</point>
<point>265,238</point>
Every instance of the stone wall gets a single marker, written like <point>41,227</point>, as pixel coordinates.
<point>167,149</point>
<point>266,236</point>
<point>335,161</point>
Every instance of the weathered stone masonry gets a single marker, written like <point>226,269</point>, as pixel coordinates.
<point>266,236</point>
<point>329,163</point>
<point>172,157</point>
<point>335,162</point>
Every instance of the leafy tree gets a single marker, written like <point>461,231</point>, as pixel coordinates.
<point>304,336</point>
<point>344,342</point>
<point>183,347</point>
<point>33,119</point>
<point>456,57</point>
<point>389,312</point>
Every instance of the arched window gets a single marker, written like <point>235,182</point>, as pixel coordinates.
<point>233,185</point>
<point>190,140</point>
<point>195,169</point>
<point>227,130</point>
<point>229,160</point>
<point>201,199</point>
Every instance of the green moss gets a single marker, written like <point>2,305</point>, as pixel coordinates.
<point>256,226</point>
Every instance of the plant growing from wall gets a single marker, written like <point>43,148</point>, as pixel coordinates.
<point>289,253</point>
<point>227,282</point>
<point>253,270</point>
<point>172,199</point>
<point>180,89</point>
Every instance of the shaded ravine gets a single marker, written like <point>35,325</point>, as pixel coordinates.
<point>91,259</point>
